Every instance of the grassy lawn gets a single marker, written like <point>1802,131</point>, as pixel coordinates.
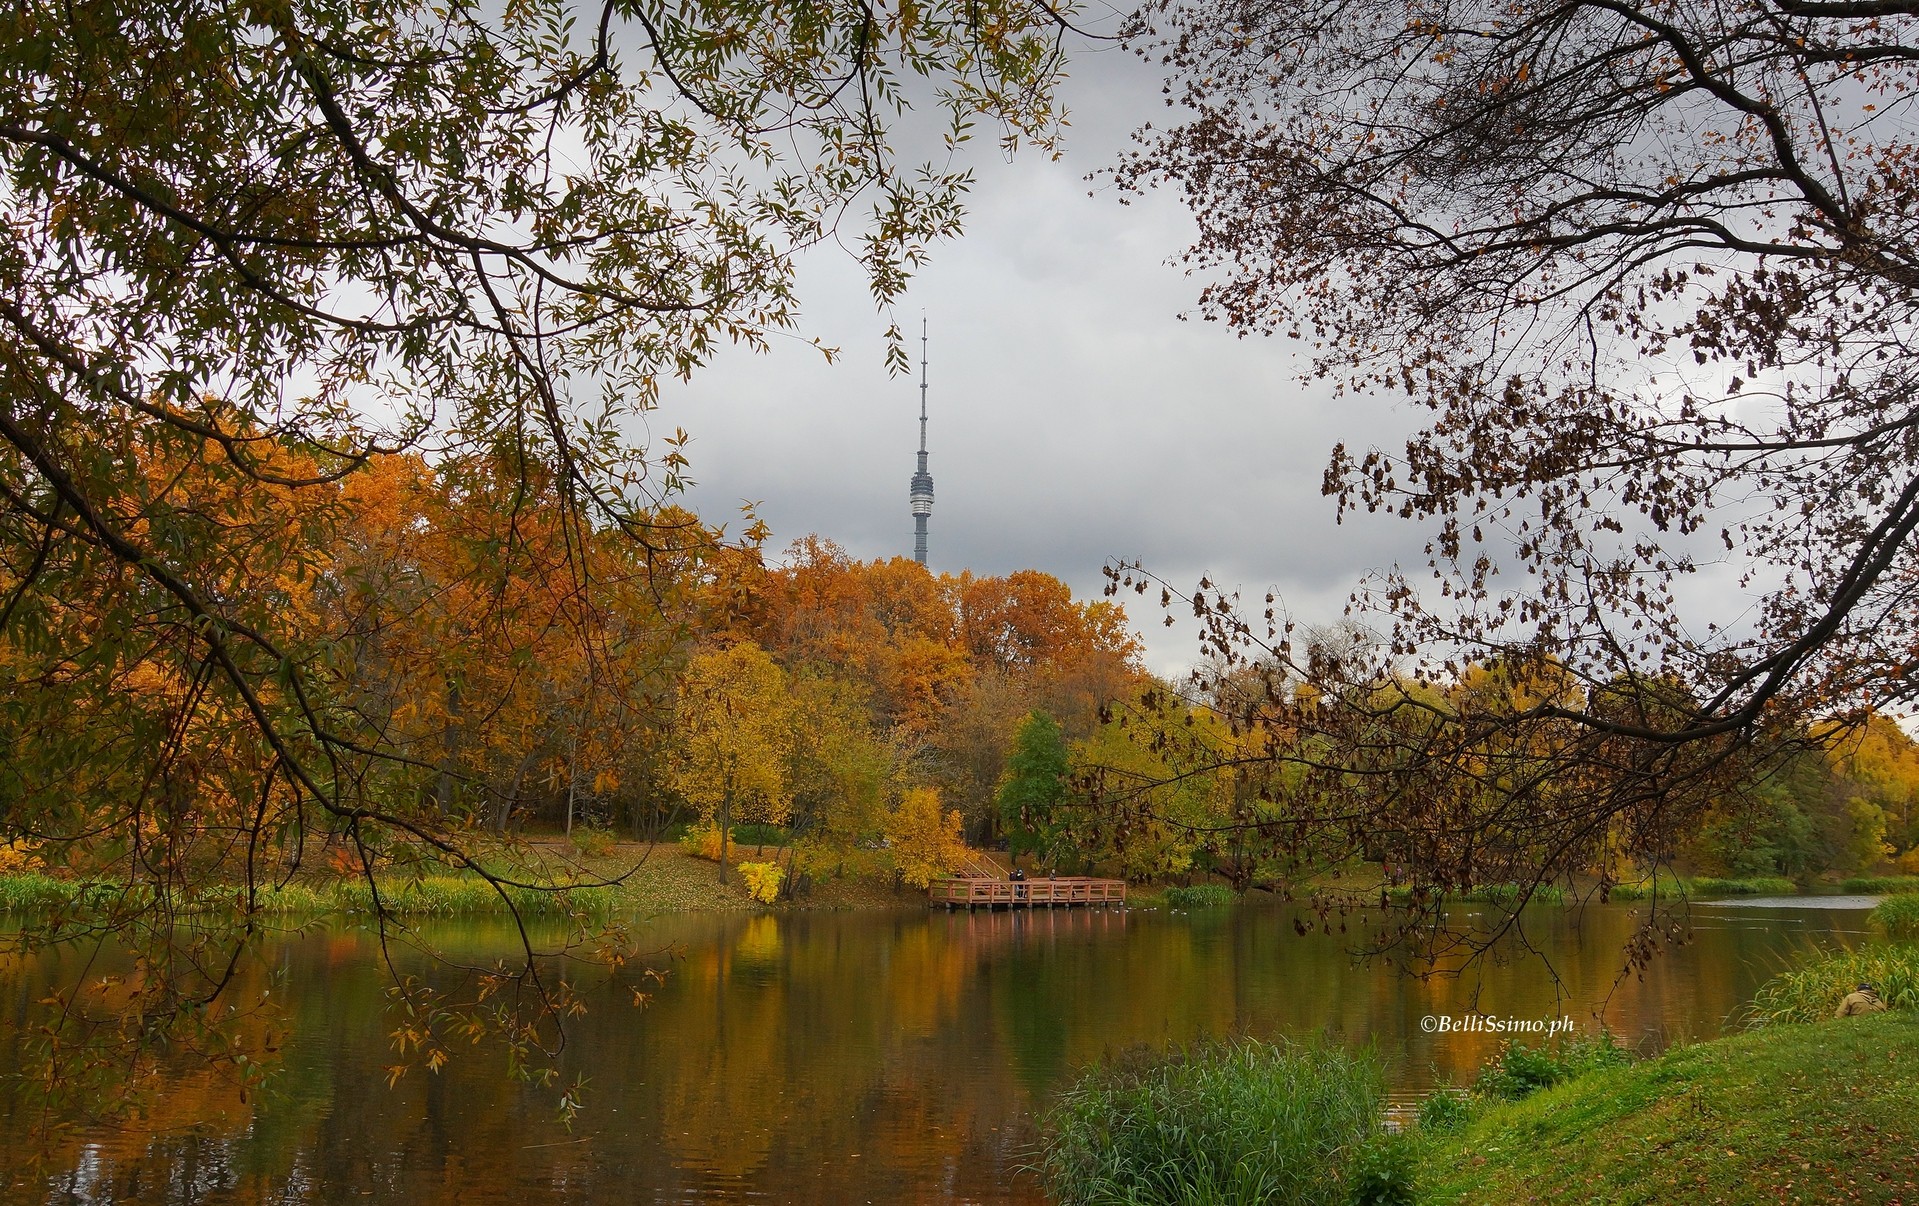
<point>653,879</point>
<point>1813,1113</point>
<point>866,882</point>
<point>669,880</point>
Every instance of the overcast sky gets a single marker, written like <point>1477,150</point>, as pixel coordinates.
<point>1075,418</point>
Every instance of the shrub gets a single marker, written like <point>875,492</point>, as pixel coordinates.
<point>1216,1122</point>
<point>1383,1171</point>
<point>762,881</point>
<point>594,842</point>
<point>1880,885</point>
<point>1520,1071</point>
<point>1812,991</point>
<point>1198,896</point>
<point>1897,917</point>
<point>1445,1110</point>
<point>702,841</point>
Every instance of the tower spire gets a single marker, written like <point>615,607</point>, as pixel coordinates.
<point>920,494</point>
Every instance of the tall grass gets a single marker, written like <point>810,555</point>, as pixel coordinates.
<point>1508,894</point>
<point>1504,895</point>
<point>1213,1124</point>
<point>432,896</point>
<point>1703,887</point>
<point>1759,885</point>
<point>1519,1070</point>
<point>32,893</point>
<point>460,896</point>
<point>1198,896</point>
<point>1880,885</point>
<point>36,893</point>
<point>1897,917</point>
<point>1812,991</point>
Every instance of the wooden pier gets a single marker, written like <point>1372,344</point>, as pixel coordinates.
<point>1064,892</point>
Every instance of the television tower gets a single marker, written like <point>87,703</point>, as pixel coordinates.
<point>921,493</point>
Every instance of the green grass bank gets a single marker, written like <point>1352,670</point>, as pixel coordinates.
<point>657,879</point>
<point>1811,1113</point>
<point>1802,1107</point>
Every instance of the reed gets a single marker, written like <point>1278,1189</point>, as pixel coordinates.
<point>1212,1124</point>
<point>1703,886</point>
<point>461,896</point>
<point>33,893</point>
<point>1812,991</point>
<point>431,896</point>
<point>1880,885</point>
<point>1508,894</point>
<point>1897,917</point>
<point>1504,895</point>
<point>1664,884</point>
<point>1197,896</point>
<point>1762,885</point>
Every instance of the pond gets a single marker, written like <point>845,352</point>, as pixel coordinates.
<point>849,1057</point>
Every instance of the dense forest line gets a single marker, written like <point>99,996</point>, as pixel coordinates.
<point>503,668</point>
<point>527,674</point>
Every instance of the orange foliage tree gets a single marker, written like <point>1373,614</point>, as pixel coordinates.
<point>949,664</point>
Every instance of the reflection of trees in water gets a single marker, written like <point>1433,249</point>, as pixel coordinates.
<point>780,1045</point>
<point>168,1091</point>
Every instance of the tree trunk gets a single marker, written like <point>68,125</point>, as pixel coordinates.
<point>504,809</point>
<point>726,824</point>
<point>449,750</point>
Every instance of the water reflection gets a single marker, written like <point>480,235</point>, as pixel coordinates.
<point>842,1057</point>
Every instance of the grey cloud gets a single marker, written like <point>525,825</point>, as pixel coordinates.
<point>1075,418</point>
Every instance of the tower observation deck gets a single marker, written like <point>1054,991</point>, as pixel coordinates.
<point>920,494</point>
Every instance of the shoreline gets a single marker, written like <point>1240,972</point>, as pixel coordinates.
<point>662,878</point>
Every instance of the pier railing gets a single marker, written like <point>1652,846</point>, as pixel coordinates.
<point>1065,891</point>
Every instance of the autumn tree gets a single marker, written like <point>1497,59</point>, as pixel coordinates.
<point>845,771</point>
<point>95,668</point>
<point>1841,802</point>
<point>887,625</point>
<point>949,664</point>
<point>460,631</point>
<point>1651,268</point>
<point>924,838</point>
<point>733,732</point>
<point>268,243</point>
<point>1172,793</point>
<point>1031,645</point>
<point>1883,761</point>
